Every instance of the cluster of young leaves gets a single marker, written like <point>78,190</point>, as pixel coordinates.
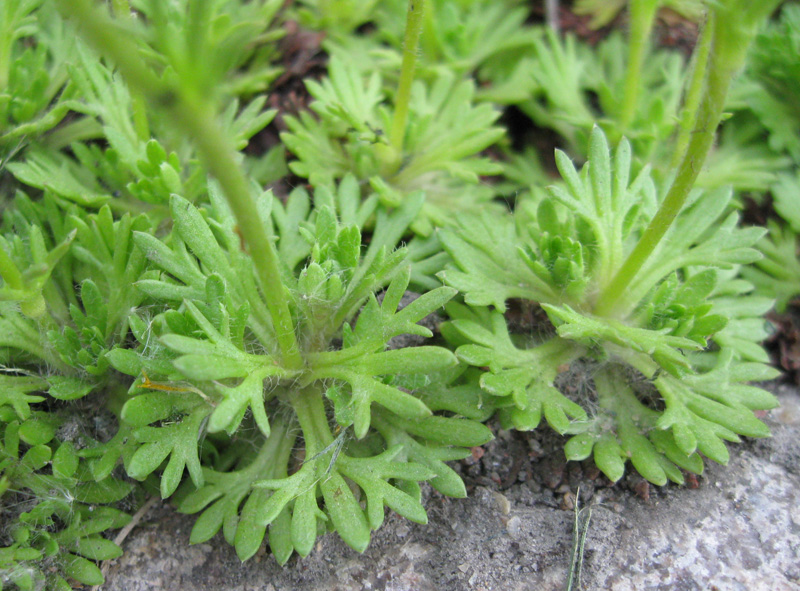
<point>777,275</point>
<point>564,84</point>
<point>447,129</point>
<point>772,66</point>
<point>54,509</point>
<point>457,36</point>
<point>685,325</point>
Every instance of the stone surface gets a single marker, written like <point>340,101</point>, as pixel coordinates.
<point>738,530</point>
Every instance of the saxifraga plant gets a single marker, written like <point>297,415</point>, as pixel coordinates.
<point>263,340</point>
<point>639,287</point>
<point>290,331</point>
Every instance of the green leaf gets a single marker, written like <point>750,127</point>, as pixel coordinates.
<point>250,392</point>
<point>488,272</point>
<point>82,570</point>
<point>608,456</point>
<point>37,430</point>
<point>179,442</point>
<point>15,392</point>
<point>65,460</point>
<point>304,523</point>
<point>346,514</point>
<point>68,388</point>
<point>109,490</point>
<point>449,431</point>
<point>250,533</point>
<point>97,548</point>
<point>280,537</point>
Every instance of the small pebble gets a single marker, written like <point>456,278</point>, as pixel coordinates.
<point>535,447</point>
<point>568,502</point>
<point>513,526</point>
<point>789,411</point>
<point>502,503</point>
<point>642,489</point>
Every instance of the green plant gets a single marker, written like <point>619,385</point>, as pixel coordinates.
<point>220,338</point>
<point>632,283</point>
<point>648,349</point>
<point>220,349</point>
<point>168,326</point>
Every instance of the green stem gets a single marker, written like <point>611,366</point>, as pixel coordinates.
<point>694,92</point>
<point>728,49</point>
<point>310,411</point>
<point>197,119</point>
<point>642,15</point>
<point>416,10</point>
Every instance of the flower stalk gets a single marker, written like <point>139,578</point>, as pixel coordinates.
<point>642,15</point>
<point>416,11</point>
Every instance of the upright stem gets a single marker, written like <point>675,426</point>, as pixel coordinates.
<point>416,10</point>
<point>642,15</point>
<point>197,119</point>
<point>694,92</point>
<point>729,45</point>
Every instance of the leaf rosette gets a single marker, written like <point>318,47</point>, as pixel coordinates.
<point>663,373</point>
<point>350,425</point>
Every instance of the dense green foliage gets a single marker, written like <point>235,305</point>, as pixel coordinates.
<point>287,363</point>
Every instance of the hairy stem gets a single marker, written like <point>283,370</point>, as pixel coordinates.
<point>730,39</point>
<point>416,10</point>
<point>310,410</point>
<point>195,116</point>
<point>694,91</point>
